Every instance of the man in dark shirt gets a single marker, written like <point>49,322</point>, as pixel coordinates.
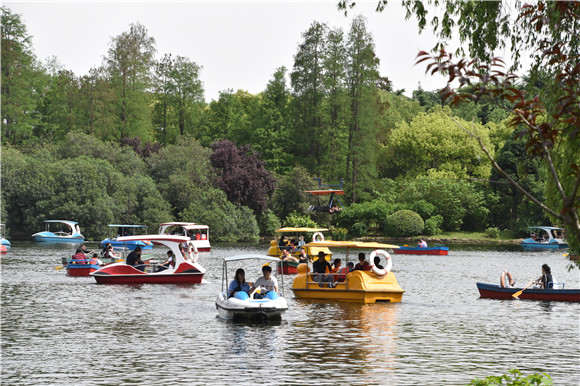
<point>319,268</point>
<point>362,264</point>
<point>134,259</point>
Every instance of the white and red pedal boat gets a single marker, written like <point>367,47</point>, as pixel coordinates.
<point>186,269</point>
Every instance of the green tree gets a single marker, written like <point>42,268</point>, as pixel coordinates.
<point>129,63</point>
<point>271,137</point>
<point>362,77</point>
<point>179,94</point>
<point>20,80</point>
<point>335,107</point>
<point>308,91</point>
<point>434,141</point>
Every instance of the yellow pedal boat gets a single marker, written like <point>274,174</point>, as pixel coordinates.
<point>275,248</point>
<point>359,286</point>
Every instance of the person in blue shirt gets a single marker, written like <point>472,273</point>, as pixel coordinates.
<point>239,283</point>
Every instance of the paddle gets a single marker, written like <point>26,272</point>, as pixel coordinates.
<point>59,267</point>
<point>515,295</point>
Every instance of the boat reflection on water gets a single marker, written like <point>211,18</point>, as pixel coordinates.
<point>349,335</point>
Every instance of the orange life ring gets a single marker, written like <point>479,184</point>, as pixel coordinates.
<point>506,279</point>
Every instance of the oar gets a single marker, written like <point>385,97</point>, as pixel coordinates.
<point>59,267</point>
<point>515,295</point>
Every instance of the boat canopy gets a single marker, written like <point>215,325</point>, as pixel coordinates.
<point>127,226</point>
<point>155,238</point>
<point>301,229</point>
<point>62,221</point>
<point>177,223</point>
<point>351,244</point>
<point>195,226</point>
<point>250,257</point>
<point>548,228</point>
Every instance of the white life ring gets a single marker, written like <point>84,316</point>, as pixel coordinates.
<point>385,254</point>
<point>318,236</point>
<point>506,279</point>
<point>191,247</point>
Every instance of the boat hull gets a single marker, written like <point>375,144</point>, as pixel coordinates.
<point>258,310</point>
<point>5,242</point>
<point>492,291</point>
<point>422,251</point>
<point>288,268</point>
<point>49,237</point>
<point>531,244</point>
<point>122,273</point>
<point>359,287</point>
<point>80,270</point>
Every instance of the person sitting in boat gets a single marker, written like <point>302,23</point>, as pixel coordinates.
<point>350,266</point>
<point>109,253</point>
<point>79,257</point>
<point>533,236</point>
<point>283,244</point>
<point>134,259</point>
<point>339,272</point>
<point>198,236</point>
<point>286,256</point>
<point>203,236</point>
<point>95,260</point>
<point>266,283</point>
<point>378,263</point>
<point>84,250</point>
<point>546,280</point>
<point>303,258</point>
<point>190,234</point>
<point>320,268</point>
<point>422,244</point>
<point>362,264</point>
<point>238,284</point>
<point>301,241</point>
<point>168,263</point>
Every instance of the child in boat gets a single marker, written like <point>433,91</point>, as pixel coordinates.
<point>168,263</point>
<point>303,258</point>
<point>238,284</point>
<point>286,256</point>
<point>266,283</point>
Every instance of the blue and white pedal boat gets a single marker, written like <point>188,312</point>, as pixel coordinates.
<point>127,230</point>
<point>242,306</point>
<point>69,232</point>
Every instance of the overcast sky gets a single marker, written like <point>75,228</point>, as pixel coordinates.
<point>239,44</point>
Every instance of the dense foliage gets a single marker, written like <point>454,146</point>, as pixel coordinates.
<point>404,223</point>
<point>134,141</point>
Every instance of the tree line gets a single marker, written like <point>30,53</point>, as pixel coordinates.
<point>134,141</point>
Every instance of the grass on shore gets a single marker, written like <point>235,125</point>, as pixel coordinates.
<point>503,235</point>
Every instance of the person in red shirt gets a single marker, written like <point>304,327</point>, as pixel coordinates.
<point>362,264</point>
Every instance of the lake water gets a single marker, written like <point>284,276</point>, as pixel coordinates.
<point>62,330</point>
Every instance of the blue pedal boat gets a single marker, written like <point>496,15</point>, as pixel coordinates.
<point>545,237</point>
<point>69,232</point>
<point>127,230</point>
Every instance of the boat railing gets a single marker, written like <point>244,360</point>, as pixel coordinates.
<point>322,283</point>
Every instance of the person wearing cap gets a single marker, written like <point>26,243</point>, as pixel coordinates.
<point>134,259</point>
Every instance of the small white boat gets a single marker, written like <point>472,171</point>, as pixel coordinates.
<point>197,233</point>
<point>242,306</point>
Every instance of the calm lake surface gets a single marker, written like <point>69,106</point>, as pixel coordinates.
<point>62,330</point>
